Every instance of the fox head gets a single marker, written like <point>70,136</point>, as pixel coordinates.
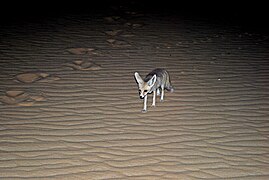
<point>144,87</point>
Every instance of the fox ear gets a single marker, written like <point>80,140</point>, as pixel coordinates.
<point>139,80</point>
<point>152,81</point>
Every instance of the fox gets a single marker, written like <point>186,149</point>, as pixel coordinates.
<point>155,82</point>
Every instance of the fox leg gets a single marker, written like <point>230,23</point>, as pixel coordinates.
<point>158,92</point>
<point>145,104</point>
<point>154,98</point>
<point>162,93</point>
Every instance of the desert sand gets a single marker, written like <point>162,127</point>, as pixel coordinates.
<point>70,108</point>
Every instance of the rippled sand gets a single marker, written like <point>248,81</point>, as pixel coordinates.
<point>70,108</point>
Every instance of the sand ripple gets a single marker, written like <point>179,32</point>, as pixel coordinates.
<point>88,124</point>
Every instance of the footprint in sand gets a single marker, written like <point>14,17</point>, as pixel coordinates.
<point>134,14</point>
<point>118,43</point>
<point>133,25</point>
<point>81,51</point>
<point>84,65</point>
<point>119,32</point>
<point>112,18</point>
<point>33,77</point>
<point>114,32</point>
<point>20,98</point>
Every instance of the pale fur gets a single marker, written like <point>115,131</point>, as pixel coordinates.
<point>155,82</point>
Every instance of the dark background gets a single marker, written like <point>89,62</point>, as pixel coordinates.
<point>248,14</point>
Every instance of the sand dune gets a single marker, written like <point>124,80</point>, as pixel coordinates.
<point>70,108</point>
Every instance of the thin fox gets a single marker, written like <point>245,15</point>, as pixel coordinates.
<point>156,81</point>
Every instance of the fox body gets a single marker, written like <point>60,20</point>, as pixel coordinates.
<point>155,82</point>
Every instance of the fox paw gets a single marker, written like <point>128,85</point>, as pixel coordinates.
<point>144,111</point>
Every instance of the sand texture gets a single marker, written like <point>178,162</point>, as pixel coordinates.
<point>69,105</point>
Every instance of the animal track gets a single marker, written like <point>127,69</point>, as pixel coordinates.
<point>20,98</point>
<point>114,32</point>
<point>112,18</point>
<point>118,43</point>
<point>133,25</point>
<point>134,14</point>
<point>81,51</point>
<point>84,65</point>
<point>33,77</point>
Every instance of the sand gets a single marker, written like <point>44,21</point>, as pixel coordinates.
<point>70,108</point>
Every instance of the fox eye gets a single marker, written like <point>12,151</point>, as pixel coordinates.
<point>146,91</point>
<point>139,90</point>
